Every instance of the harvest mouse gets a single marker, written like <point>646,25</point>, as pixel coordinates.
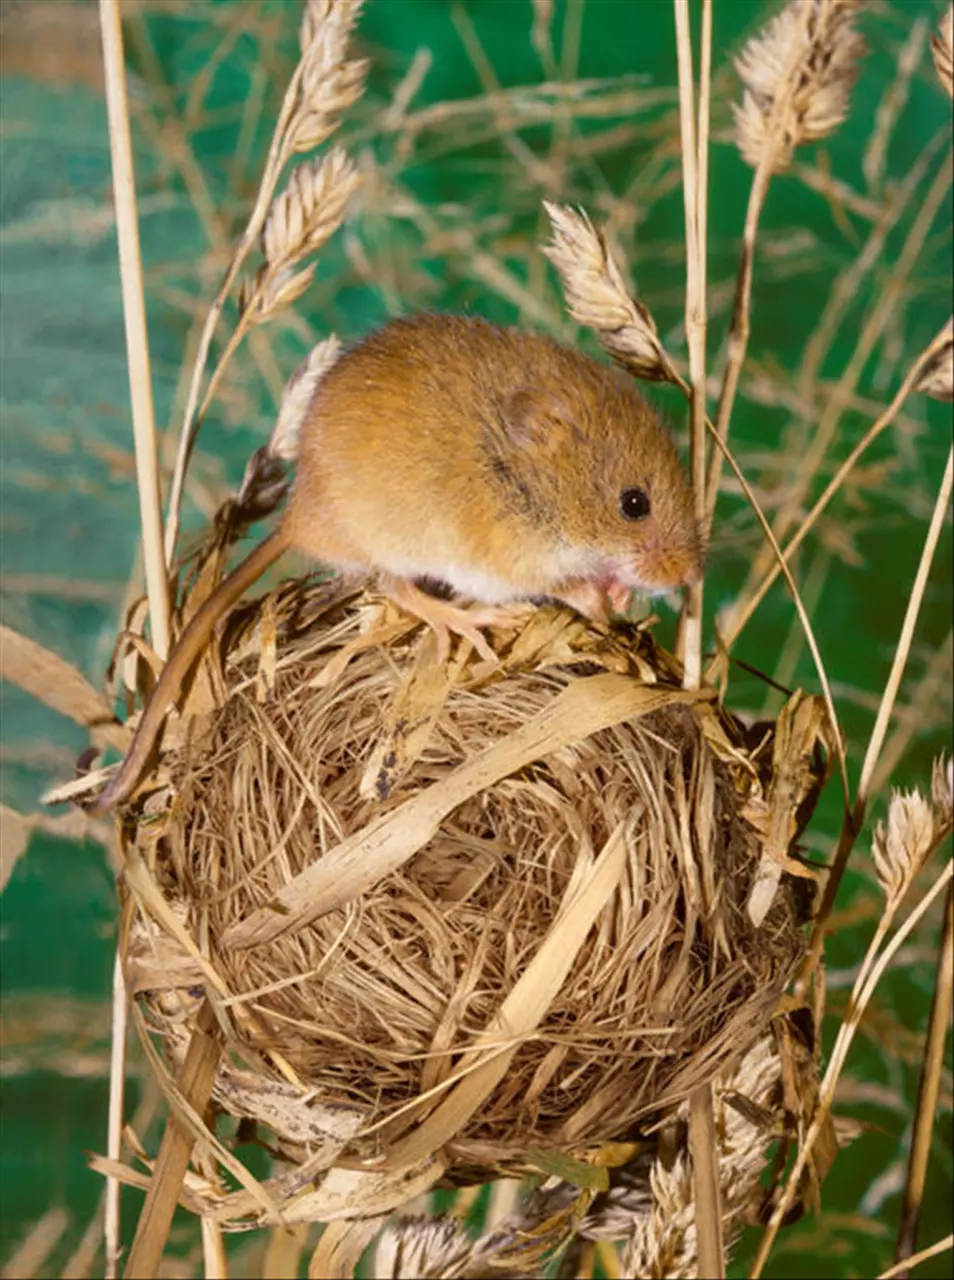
<point>497,462</point>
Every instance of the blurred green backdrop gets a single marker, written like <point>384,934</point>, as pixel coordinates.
<point>461,139</point>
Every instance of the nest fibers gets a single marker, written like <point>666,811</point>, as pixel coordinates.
<point>455,916</point>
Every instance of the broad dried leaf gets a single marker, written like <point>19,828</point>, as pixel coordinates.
<point>338,1252</point>
<point>57,684</point>
<point>15,831</point>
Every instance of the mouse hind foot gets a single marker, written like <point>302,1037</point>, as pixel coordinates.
<point>444,617</point>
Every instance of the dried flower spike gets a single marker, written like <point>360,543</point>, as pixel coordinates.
<point>942,790</point>
<point>942,46</point>
<point>309,209</point>
<point>937,378</point>
<point>297,396</point>
<point>798,74</point>
<point>430,1247</point>
<point>597,296</point>
<point>329,83</point>
<point>899,850</point>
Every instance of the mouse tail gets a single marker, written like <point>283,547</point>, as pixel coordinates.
<point>183,657</point>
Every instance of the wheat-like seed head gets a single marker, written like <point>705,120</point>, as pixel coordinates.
<point>942,790</point>
<point>297,396</point>
<point>899,849</point>
<point>937,378</point>
<point>310,208</point>
<point>662,1237</point>
<point>329,83</point>
<point>330,22</point>
<point>810,65</point>
<point>597,296</point>
<point>942,46</point>
<point>427,1247</point>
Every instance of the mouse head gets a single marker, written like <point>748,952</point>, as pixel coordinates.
<point>593,464</point>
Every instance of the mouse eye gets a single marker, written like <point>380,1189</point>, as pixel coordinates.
<point>634,504</point>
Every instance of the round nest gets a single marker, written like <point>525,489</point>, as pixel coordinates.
<point>469,910</point>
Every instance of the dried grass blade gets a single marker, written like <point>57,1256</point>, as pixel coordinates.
<point>584,707</point>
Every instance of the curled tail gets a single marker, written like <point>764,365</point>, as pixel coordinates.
<point>181,660</point>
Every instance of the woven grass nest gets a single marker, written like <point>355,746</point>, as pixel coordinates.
<point>456,915</point>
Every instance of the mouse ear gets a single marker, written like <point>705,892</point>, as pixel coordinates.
<point>533,418</point>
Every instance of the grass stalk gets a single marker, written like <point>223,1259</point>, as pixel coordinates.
<point>876,322</point>
<point>195,1085</point>
<point>743,614</point>
<point>114,1136</point>
<point>928,1088</point>
<point>872,970</point>
<point>741,325</point>
<point>134,314</point>
<point>705,1183</point>
<point>854,819</point>
<point>903,650</point>
<point>694,136</point>
<point>150,511</point>
<point>923,1255</point>
<point>277,157</point>
<point>837,739</point>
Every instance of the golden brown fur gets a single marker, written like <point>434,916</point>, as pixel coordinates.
<point>446,448</point>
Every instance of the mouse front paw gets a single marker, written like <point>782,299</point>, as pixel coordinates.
<point>443,617</point>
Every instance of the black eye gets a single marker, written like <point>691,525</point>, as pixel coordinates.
<point>634,504</point>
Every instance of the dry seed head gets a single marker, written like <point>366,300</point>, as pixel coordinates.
<point>328,23</point>
<point>427,1247</point>
<point>597,296</point>
<point>899,850</point>
<point>942,46</point>
<point>937,378</point>
<point>663,1242</point>
<point>280,289</point>
<point>942,790</point>
<point>329,83</point>
<point>310,208</point>
<point>297,396</point>
<point>805,62</point>
<point>334,90</point>
<point>662,1238</point>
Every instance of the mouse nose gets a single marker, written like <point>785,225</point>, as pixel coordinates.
<point>666,567</point>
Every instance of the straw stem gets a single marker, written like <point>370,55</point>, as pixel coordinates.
<point>928,1089</point>
<point>134,313</point>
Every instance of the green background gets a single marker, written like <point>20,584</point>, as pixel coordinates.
<point>451,220</point>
